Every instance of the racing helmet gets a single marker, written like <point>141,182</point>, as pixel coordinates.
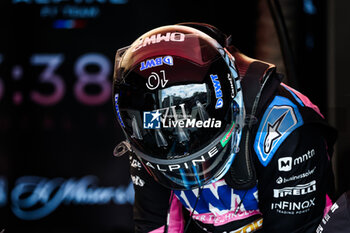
<point>178,100</point>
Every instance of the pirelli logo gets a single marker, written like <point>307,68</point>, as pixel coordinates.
<point>298,190</point>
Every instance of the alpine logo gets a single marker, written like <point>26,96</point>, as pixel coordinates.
<point>186,165</point>
<point>298,190</point>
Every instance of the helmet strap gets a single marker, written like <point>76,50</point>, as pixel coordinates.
<point>242,174</point>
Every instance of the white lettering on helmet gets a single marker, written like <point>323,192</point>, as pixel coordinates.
<point>157,38</point>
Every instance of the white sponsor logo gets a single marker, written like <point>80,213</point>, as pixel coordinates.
<point>334,207</point>
<point>286,163</point>
<point>172,117</point>
<point>298,190</point>
<point>154,80</point>
<point>135,164</point>
<point>281,180</point>
<point>192,123</point>
<point>304,157</point>
<point>273,133</point>
<point>154,39</point>
<point>319,229</point>
<point>137,181</point>
<point>172,167</point>
<point>327,217</point>
<point>286,207</point>
<point>233,94</point>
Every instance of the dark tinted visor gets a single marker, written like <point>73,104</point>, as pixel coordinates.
<point>181,118</point>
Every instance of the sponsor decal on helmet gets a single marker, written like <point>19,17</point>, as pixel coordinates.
<point>137,181</point>
<point>185,165</point>
<point>171,118</point>
<point>218,92</point>
<point>159,61</point>
<point>135,164</point>
<point>154,80</point>
<point>116,96</point>
<point>233,93</point>
<point>227,136</point>
<point>154,39</point>
<point>192,123</point>
<point>151,120</point>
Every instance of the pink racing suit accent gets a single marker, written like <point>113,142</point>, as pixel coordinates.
<point>306,101</point>
<point>222,219</point>
<point>176,222</point>
<point>329,204</point>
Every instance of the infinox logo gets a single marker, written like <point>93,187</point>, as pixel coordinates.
<point>154,39</point>
<point>293,206</point>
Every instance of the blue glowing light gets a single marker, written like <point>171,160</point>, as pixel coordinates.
<point>309,7</point>
<point>36,197</point>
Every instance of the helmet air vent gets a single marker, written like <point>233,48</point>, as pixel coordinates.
<point>160,139</point>
<point>136,133</point>
<point>202,113</point>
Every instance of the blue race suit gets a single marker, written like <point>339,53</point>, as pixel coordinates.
<point>291,146</point>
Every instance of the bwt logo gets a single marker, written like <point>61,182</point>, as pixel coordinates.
<point>218,92</point>
<point>159,61</point>
<point>151,120</point>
